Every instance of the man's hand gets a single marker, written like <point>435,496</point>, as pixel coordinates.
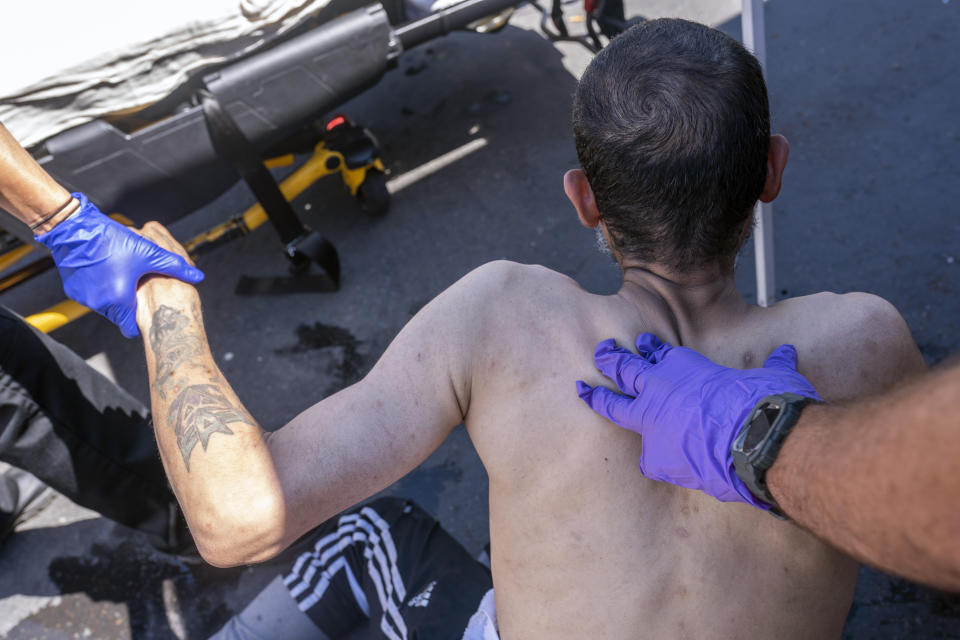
<point>160,285</point>
<point>101,262</point>
<point>688,409</point>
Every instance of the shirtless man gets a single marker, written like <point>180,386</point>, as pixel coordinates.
<point>672,129</point>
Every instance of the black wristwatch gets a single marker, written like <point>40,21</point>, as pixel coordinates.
<point>759,442</point>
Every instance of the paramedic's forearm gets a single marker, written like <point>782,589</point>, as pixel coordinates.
<point>215,454</point>
<point>26,190</point>
<point>879,478</point>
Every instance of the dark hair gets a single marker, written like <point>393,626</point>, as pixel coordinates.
<point>672,128</point>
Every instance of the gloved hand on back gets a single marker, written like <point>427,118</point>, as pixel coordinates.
<point>101,261</point>
<point>688,409</point>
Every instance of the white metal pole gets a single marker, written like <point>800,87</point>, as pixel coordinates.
<point>754,39</point>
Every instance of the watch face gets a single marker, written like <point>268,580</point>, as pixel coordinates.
<point>760,425</point>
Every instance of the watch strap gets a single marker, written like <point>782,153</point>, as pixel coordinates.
<point>752,466</point>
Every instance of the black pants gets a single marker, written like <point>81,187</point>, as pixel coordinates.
<point>78,432</point>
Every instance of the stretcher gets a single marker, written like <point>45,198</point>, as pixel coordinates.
<point>237,116</point>
<point>234,117</point>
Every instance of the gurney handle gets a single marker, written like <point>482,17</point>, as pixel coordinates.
<point>444,21</point>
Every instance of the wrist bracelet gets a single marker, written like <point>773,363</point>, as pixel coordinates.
<point>47,218</point>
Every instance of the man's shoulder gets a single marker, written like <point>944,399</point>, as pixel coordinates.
<point>864,316</point>
<point>498,295</point>
<point>516,273</point>
<point>854,333</point>
<point>504,281</point>
<point>854,308</point>
<point>510,306</point>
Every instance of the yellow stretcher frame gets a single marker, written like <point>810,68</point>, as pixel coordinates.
<point>323,162</point>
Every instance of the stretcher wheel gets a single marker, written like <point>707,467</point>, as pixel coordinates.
<point>372,193</point>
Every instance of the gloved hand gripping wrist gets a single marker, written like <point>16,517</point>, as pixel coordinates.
<point>101,262</point>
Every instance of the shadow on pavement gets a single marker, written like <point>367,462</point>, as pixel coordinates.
<point>137,591</point>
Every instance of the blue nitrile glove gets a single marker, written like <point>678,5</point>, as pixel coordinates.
<point>101,261</point>
<point>688,409</point>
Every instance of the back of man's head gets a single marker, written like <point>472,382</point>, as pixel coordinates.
<point>672,128</point>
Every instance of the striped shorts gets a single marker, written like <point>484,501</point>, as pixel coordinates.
<point>387,570</point>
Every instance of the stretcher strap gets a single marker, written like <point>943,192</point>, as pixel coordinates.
<point>231,145</point>
<point>303,246</point>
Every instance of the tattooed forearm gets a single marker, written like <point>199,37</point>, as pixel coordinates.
<point>198,412</point>
<point>173,343</point>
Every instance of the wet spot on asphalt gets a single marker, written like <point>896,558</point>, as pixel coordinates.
<point>348,364</point>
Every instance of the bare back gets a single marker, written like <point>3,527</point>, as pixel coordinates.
<point>584,546</point>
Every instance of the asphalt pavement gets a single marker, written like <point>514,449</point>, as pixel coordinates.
<point>475,130</point>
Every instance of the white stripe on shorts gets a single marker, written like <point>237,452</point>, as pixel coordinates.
<point>326,559</point>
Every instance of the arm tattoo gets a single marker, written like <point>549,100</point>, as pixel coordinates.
<point>200,411</point>
<point>172,343</point>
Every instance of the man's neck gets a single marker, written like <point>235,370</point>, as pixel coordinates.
<point>695,303</point>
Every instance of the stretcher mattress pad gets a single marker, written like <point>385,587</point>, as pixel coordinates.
<point>67,63</point>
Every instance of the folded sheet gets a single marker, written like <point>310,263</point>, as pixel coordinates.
<point>65,64</point>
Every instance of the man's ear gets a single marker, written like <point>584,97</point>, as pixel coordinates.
<point>776,163</point>
<point>580,193</point>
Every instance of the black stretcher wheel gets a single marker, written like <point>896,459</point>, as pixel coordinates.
<point>372,193</point>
